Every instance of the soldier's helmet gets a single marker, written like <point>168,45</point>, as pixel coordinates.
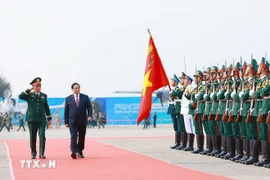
<point>199,74</point>
<point>264,64</point>
<point>183,76</point>
<point>237,68</point>
<point>214,69</point>
<point>207,70</point>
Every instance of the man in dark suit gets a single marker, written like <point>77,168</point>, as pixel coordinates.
<point>78,110</point>
<point>37,114</point>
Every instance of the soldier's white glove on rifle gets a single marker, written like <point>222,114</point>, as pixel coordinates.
<point>241,93</point>
<point>196,95</point>
<point>232,94</point>
<point>225,93</point>
<point>211,95</point>
<point>251,92</point>
<point>204,96</point>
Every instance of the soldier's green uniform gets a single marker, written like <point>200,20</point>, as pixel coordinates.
<point>236,108</point>
<point>262,91</point>
<point>254,143</point>
<point>215,137</point>
<point>229,140</point>
<point>177,96</point>
<point>206,110</point>
<point>197,98</point>
<point>37,114</point>
<point>220,111</point>
<point>171,111</point>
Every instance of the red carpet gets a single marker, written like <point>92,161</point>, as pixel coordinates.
<point>102,162</point>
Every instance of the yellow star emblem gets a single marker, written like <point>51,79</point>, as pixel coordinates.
<point>146,82</point>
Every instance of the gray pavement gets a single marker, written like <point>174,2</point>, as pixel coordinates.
<point>151,142</point>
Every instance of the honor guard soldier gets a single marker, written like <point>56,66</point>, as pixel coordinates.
<point>245,98</point>
<point>205,114</point>
<point>267,101</point>
<point>188,118</point>
<point>177,96</point>
<point>37,115</point>
<point>197,98</point>
<point>171,110</point>
<point>215,137</point>
<point>233,113</point>
<point>263,93</point>
<point>250,119</point>
<point>221,109</point>
<point>228,135</point>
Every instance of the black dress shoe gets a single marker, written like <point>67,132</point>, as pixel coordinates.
<point>251,160</point>
<point>42,157</point>
<point>74,156</point>
<point>33,157</point>
<point>80,155</point>
<point>188,149</point>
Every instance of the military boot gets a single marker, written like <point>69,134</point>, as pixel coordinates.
<point>200,141</point>
<point>265,155</point>
<point>183,141</point>
<point>246,146</point>
<point>239,147</point>
<point>224,145</point>
<point>190,143</point>
<point>209,145</point>
<point>255,153</point>
<point>231,148</point>
<point>213,141</point>
<point>177,140</point>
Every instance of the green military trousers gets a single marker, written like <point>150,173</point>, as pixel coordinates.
<point>35,127</point>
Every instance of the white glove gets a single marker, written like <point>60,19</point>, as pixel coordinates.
<point>251,92</point>
<point>241,93</point>
<point>204,96</point>
<point>232,94</point>
<point>196,95</point>
<point>218,93</point>
<point>225,93</point>
<point>211,95</point>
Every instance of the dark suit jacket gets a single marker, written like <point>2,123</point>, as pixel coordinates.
<point>77,115</point>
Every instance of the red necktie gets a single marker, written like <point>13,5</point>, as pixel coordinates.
<point>77,100</point>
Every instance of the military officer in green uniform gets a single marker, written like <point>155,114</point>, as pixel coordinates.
<point>215,137</point>
<point>205,114</point>
<point>263,93</point>
<point>37,115</point>
<point>177,96</point>
<point>236,107</point>
<point>197,98</point>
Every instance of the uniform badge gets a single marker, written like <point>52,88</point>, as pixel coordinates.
<point>42,97</point>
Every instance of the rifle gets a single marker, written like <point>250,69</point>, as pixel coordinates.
<point>218,116</point>
<point>225,114</point>
<point>196,112</point>
<point>239,113</point>
<point>211,116</point>
<point>268,118</point>
<point>231,119</point>
<point>249,116</point>
<point>260,118</point>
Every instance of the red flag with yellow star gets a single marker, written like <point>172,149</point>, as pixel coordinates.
<point>154,78</point>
